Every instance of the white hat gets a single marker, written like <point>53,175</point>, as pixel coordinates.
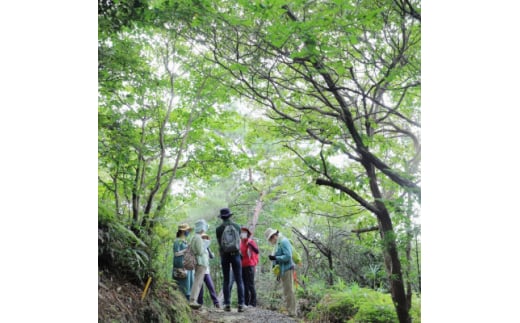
<point>200,226</point>
<point>269,232</point>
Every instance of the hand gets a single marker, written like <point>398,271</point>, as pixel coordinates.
<point>180,253</point>
<point>272,257</point>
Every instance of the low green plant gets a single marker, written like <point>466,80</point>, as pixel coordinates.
<point>375,307</point>
<point>358,305</point>
<point>120,250</point>
<point>309,296</point>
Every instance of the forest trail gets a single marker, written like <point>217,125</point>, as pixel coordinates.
<point>250,315</point>
<point>120,301</point>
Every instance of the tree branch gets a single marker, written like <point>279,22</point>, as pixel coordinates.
<point>351,193</point>
<point>374,228</point>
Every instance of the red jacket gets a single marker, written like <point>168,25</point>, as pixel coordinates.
<point>249,251</point>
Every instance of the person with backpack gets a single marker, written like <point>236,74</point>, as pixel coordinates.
<point>283,258</point>
<point>183,277</point>
<point>202,261</point>
<point>228,237</point>
<point>249,251</point>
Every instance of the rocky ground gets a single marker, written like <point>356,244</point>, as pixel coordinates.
<point>250,315</point>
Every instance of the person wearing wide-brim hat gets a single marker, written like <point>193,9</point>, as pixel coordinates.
<point>230,262</point>
<point>283,257</point>
<point>184,227</point>
<point>183,277</point>
<point>249,251</point>
<point>225,213</point>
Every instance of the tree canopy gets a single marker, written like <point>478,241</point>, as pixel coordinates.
<point>303,116</point>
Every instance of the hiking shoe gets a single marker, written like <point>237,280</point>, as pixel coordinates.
<point>241,308</point>
<point>227,308</point>
<point>195,305</point>
<point>217,305</point>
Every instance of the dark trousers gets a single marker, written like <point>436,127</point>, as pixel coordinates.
<point>248,275</point>
<point>234,263</point>
<point>209,284</point>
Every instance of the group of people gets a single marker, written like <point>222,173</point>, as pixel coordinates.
<point>238,263</point>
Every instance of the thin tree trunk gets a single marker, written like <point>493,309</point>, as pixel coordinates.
<point>166,191</point>
<point>323,249</point>
<point>158,175</point>
<point>408,270</point>
<point>116,193</point>
<point>135,200</point>
<point>139,173</point>
<point>331,269</point>
<point>256,214</point>
<point>180,151</point>
<point>418,262</point>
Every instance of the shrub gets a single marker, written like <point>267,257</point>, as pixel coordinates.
<point>376,312</point>
<point>359,305</point>
<point>335,307</point>
<point>308,296</point>
<point>119,249</point>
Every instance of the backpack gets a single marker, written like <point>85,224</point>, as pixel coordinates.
<point>230,240</point>
<point>189,261</point>
<point>296,257</point>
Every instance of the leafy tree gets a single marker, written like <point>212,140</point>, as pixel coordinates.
<point>340,79</point>
<point>339,82</point>
<point>159,123</point>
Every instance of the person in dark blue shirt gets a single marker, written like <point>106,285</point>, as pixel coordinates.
<point>230,261</point>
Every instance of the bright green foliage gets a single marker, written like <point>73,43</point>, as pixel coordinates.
<point>355,304</point>
<point>365,110</point>
<point>120,249</point>
<point>212,103</point>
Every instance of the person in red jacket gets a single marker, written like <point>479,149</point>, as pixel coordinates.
<point>249,251</point>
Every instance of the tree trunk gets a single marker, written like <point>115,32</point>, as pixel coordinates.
<point>393,265</point>
<point>392,262</point>
<point>408,271</point>
<point>323,249</point>
<point>116,191</point>
<point>331,269</point>
<point>258,208</point>
<point>418,262</point>
<point>135,199</point>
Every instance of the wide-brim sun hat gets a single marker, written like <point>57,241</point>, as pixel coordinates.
<point>225,213</point>
<point>184,227</point>
<point>269,233</point>
<point>201,225</point>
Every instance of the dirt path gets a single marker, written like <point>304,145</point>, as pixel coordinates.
<point>250,315</point>
<point>120,301</point>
